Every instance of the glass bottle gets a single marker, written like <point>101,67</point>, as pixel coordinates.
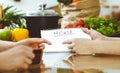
<point>116,11</point>
<point>106,12</point>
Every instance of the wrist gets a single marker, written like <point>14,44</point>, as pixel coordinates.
<point>95,45</point>
<point>91,46</point>
<point>1,62</point>
<point>105,38</point>
<point>4,45</point>
<point>10,45</point>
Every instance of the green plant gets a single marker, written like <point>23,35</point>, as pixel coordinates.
<point>104,26</point>
<point>11,17</point>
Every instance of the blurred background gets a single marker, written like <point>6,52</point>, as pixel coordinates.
<point>34,5</point>
<point>108,9</point>
<point>29,5</point>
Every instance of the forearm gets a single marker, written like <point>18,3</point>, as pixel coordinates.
<point>106,47</point>
<point>1,66</point>
<point>112,38</point>
<point>4,45</point>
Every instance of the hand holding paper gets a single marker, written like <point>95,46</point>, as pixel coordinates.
<point>57,36</point>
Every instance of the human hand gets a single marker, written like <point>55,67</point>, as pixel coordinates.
<point>15,58</point>
<point>72,60</point>
<point>35,43</point>
<point>94,34</point>
<point>80,45</point>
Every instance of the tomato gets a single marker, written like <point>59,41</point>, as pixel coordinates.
<point>69,26</point>
<point>74,25</point>
<point>86,26</point>
<point>75,1</point>
<point>81,22</point>
<point>78,25</point>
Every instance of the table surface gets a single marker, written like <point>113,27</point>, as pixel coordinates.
<point>71,63</point>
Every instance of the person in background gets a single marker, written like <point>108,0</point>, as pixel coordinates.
<point>18,55</point>
<point>97,44</point>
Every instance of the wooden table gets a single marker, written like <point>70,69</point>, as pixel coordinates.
<point>70,63</point>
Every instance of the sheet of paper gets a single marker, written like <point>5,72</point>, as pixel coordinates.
<point>57,36</point>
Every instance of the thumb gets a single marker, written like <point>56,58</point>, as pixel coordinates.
<point>86,30</point>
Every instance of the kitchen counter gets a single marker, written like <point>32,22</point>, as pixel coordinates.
<point>70,63</point>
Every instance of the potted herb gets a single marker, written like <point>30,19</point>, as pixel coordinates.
<point>10,16</point>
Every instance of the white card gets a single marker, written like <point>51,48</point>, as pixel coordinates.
<point>57,36</point>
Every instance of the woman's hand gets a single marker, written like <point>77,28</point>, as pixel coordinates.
<point>94,34</point>
<point>85,46</point>
<point>80,45</point>
<point>17,57</point>
<point>35,43</point>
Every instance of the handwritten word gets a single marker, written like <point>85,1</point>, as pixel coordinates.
<point>63,33</point>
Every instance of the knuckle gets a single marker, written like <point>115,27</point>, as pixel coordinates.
<point>22,51</point>
<point>30,62</point>
<point>25,66</point>
<point>32,56</point>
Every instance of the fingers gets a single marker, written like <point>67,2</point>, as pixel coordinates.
<point>71,45</point>
<point>68,41</point>
<point>68,62</point>
<point>21,56</point>
<point>86,30</point>
<point>39,40</point>
<point>31,41</point>
<point>72,50</point>
<point>35,43</point>
<point>46,41</point>
<point>30,55</point>
<point>41,46</point>
<point>38,46</point>
<point>35,46</point>
<point>23,66</point>
<point>27,51</point>
<point>28,61</point>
